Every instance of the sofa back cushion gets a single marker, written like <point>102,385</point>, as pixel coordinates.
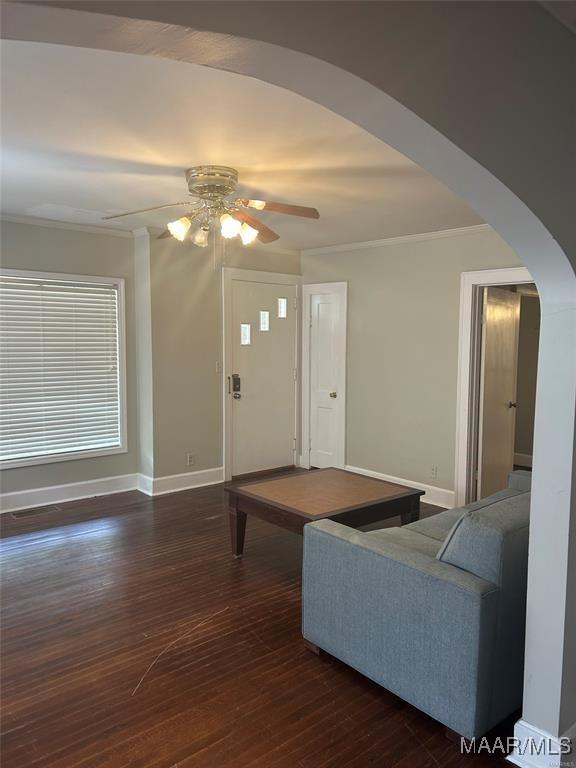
<point>520,480</point>
<point>492,542</point>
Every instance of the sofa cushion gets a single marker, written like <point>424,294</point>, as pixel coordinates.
<point>438,526</point>
<point>405,538</point>
<point>487,540</point>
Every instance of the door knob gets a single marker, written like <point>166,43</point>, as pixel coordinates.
<point>511,404</point>
<point>236,395</point>
<point>334,394</point>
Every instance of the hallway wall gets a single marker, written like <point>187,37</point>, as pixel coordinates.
<point>403,318</point>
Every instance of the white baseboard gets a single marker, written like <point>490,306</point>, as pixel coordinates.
<point>56,494</point>
<point>104,486</point>
<point>538,749</point>
<point>439,497</point>
<point>144,484</point>
<point>523,459</point>
<point>158,486</point>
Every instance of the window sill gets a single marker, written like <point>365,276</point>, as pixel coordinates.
<point>54,458</point>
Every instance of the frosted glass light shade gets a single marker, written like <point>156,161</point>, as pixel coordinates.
<point>229,226</point>
<point>248,234</point>
<point>200,237</point>
<point>179,228</point>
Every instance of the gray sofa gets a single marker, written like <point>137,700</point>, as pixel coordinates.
<point>433,611</point>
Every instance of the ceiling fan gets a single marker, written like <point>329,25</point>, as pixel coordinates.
<point>212,185</point>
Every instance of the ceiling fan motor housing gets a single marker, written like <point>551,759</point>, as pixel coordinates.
<point>211,182</point>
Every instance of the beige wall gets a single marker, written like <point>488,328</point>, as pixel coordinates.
<point>172,353</point>
<point>186,291</point>
<point>402,346</point>
<point>527,368</point>
<point>54,249</point>
<point>403,304</point>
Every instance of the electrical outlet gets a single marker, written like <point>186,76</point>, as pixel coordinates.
<point>191,459</point>
<point>434,472</point>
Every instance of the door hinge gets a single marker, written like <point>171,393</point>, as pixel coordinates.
<point>310,320</point>
<point>295,374</point>
<point>294,442</point>
<point>295,302</point>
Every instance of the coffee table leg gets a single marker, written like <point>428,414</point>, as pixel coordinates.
<point>237,520</point>
<point>412,512</point>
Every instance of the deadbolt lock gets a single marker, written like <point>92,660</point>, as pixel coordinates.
<point>334,394</point>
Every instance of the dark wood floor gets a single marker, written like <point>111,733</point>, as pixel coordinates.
<point>131,637</point>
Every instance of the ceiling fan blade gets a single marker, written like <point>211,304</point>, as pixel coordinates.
<point>291,210</point>
<point>265,234</point>
<point>144,210</point>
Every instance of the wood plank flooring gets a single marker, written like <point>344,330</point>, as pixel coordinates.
<point>131,637</point>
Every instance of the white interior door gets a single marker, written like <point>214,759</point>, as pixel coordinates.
<point>262,376</point>
<point>499,366</point>
<point>325,382</point>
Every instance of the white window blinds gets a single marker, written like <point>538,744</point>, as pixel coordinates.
<point>60,384</point>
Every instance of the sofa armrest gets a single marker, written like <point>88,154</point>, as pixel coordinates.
<point>421,628</point>
<point>427,566</point>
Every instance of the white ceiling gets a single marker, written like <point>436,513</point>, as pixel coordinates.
<point>86,133</point>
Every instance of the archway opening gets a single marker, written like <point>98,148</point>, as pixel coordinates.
<point>548,665</point>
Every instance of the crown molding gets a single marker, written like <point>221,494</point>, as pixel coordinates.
<point>141,232</point>
<point>267,248</point>
<point>340,248</point>
<point>421,237</point>
<point>90,228</point>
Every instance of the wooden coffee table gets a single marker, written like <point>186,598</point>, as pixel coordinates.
<point>299,498</point>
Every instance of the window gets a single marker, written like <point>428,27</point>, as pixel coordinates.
<point>264,320</point>
<point>283,308</point>
<point>245,334</point>
<point>62,367</point>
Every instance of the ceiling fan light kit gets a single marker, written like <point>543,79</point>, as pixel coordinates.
<point>201,236</point>
<point>179,228</point>
<point>212,184</point>
<point>247,234</point>
<point>229,226</point>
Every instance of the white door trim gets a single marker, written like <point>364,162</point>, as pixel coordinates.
<point>469,282</point>
<point>229,274</point>
<point>307,291</point>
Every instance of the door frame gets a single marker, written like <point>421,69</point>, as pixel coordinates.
<point>469,343</point>
<point>229,275</point>
<point>308,290</point>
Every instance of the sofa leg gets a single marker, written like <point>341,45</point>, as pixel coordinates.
<point>454,737</point>
<point>314,648</point>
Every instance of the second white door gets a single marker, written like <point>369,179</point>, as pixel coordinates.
<point>325,384</point>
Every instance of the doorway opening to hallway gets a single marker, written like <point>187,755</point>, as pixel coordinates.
<point>499,343</point>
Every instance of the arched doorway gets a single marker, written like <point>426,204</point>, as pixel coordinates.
<point>352,69</point>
